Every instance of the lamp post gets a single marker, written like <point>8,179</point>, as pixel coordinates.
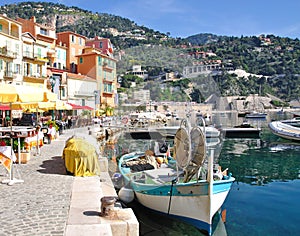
<point>95,94</point>
<point>150,104</point>
<point>52,82</point>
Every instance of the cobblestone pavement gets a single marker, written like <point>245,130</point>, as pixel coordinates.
<point>40,205</point>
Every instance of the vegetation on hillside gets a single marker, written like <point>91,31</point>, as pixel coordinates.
<point>274,62</point>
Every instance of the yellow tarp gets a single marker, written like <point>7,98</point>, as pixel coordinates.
<point>81,158</point>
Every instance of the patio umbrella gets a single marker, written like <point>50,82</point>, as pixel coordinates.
<point>10,94</point>
<point>18,93</point>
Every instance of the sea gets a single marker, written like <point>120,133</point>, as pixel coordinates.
<point>264,199</point>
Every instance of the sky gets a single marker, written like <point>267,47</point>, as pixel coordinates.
<point>183,18</point>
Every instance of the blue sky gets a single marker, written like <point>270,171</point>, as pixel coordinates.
<point>184,18</point>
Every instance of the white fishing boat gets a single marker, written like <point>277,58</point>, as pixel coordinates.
<point>285,130</point>
<point>184,186</point>
<point>293,122</point>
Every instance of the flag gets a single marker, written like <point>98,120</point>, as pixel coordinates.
<point>6,157</point>
<point>6,161</point>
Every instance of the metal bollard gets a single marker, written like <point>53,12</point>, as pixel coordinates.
<point>107,205</point>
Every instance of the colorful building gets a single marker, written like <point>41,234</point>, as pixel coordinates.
<point>74,43</point>
<point>95,64</point>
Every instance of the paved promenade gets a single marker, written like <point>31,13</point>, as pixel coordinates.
<point>41,205</point>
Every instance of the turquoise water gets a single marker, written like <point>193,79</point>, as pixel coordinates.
<point>262,201</point>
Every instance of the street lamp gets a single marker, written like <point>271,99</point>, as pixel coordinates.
<point>95,94</point>
<point>52,82</point>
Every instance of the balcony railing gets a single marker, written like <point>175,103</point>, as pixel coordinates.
<point>8,74</point>
<point>8,53</point>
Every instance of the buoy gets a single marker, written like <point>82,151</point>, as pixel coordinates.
<point>117,180</point>
<point>126,195</point>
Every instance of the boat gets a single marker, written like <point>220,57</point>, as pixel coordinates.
<point>187,185</point>
<point>210,131</point>
<point>256,115</point>
<point>293,122</point>
<point>285,130</point>
<point>245,130</point>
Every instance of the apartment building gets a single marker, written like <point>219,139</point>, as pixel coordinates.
<point>103,68</point>
<point>103,44</point>
<point>74,43</point>
<point>10,51</point>
<point>34,62</point>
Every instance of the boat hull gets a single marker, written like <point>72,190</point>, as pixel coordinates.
<point>241,132</point>
<point>285,131</point>
<point>196,209</point>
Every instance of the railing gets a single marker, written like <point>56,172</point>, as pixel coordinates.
<point>8,74</point>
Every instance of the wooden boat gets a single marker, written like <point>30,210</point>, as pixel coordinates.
<point>284,130</point>
<point>184,186</point>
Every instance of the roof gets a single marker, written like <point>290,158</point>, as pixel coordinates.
<point>79,77</point>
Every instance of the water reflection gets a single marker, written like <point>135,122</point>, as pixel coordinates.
<point>256,162</point>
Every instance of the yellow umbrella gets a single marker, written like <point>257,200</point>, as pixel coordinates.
<point>10,93</point>
<point>33,106</point>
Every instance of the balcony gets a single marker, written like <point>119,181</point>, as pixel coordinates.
<point>107,68</point>
<point>83,94</point>
<point>28,55</point>
<point>41,59</point>
<point>7,53</point>
<point>8,74</point>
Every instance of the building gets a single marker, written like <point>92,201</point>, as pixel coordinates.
<point>103,44</point>
<point>34,62</point>
<point>81,90</point>
<point>10,51</point>
<point>137,71</point>
<point>74,43</point>
<point>103,68</point>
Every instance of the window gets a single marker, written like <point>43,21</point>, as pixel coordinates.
<point>73,51</point>
<point>43,31</point>
<point>17,69</point>
<point>39,52</point>
<point>0,27</point>
<point>72,38</point>
<point>1,64</point>
<point>80,41</point>
<point>17,49</point>
<point>80,60</point>
<point>100,44</point>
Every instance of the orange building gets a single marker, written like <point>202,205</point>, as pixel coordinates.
<point>95,64</point>
<point>103,44</point>
<point>75,44</point>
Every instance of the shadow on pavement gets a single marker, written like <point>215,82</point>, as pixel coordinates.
<point>54,166</point>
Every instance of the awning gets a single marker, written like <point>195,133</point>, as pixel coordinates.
<point>79,107</point>
<point>87,108</point>
<point>4,108</point>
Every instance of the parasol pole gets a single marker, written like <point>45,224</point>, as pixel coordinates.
<point>11,179</point>
<point>37,135</point>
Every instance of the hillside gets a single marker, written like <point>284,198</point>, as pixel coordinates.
<point>123,32</point>
<point>271,63</point>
